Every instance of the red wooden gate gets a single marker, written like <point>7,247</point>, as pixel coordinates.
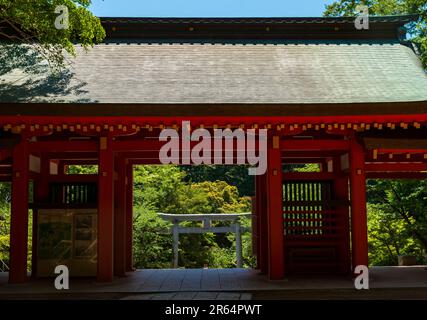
<point>315,226</point>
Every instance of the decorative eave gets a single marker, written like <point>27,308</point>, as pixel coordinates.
<point>385,27</point>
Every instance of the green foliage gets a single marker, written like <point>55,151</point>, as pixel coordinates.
<point>235,175</point>
<point>4,231</point>
<point>388,238</point>
<point>33,22</point>
<point>85,169</point>
<point>166,189</point>
<point>417,30</point>
<point>404,200</point>
<point>309,167</point>
<point>152,245</point>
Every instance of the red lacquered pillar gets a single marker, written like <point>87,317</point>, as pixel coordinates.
<point>19,213</point>
<point>359,232</point>
<point>129,217</point>
<point>276,265</point>
<point>105,210</point>
<point>120,219</point>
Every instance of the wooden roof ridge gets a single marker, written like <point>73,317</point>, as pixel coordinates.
<point>381,27</point>
<point>257,20</point>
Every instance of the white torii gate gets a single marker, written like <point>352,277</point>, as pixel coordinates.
<point>235,227</point>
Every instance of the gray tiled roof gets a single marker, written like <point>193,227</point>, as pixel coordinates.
<point>291,72</point>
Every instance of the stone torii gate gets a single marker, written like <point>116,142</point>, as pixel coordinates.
<point>207,219</point>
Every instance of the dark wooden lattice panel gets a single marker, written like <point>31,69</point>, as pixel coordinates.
<point>313,228</point>
<point>73,193</point>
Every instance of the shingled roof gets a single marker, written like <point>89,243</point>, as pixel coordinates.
<point>315,67</point>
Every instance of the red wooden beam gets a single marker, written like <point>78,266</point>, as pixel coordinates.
<point>19,214</point>
<point>276,265</point>
<point>64,146</point>
<point>105,210</point>
<point>137,145</point>
<point>397,175</point>
<point>5,154</point>
<point>290,154</point>
<point>151,145</point>
<point>303,160</point>
<point>393,158</point>
<point>314,145</point>
<point>5,170</point>
<point>87,156</point>
<point>141,155</point>
<point>395,167</point>
<point>115,118</point>
<point>384,150</point>
<point>71,178</point>
<point>359,228</point>
<point>79,162</point>
<point>310,176</point>
<point>145,162</point>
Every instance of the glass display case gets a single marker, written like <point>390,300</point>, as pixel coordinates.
<point>68,237</point>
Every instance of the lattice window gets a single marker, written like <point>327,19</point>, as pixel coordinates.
<point>306,208</point>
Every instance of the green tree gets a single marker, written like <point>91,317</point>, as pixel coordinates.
<point>404,204</point>
<point>32,22</point>
<point>417,30</point>
<point>235,175</point>
<point>388,237</point>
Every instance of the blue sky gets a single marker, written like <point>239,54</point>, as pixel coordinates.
<point>208,8</point>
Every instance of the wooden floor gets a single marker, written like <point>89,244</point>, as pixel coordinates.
<point>216,283</point>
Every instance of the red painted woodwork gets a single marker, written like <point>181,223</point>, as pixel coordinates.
<point>262,222</point>
<point>19,213</point>
<point>4,154</point>
<point>5,170</point>
<point>255,228</point>
<point>340,190</point>
<point>315,227</point>
<point>70,178</point>
<point>384,150</point>
<point>209,120</point>
<point>63,146</point>
<point>314,145</point>
<point>129,217</point>
<point>41,194</point>
<point>359,232</point>
<point>120,218</point>
<point>292,154</point>
<point>309,176</point>
<point>79,162</point>
<point>276,265</point>
<point>81,155</point>
<point>272,244</point>
<point>303,160</point>
<point>105,210</point>
<point>395,167</point>
<point>397,175</point>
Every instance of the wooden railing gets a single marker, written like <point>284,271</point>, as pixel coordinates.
<point>235,227</point>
